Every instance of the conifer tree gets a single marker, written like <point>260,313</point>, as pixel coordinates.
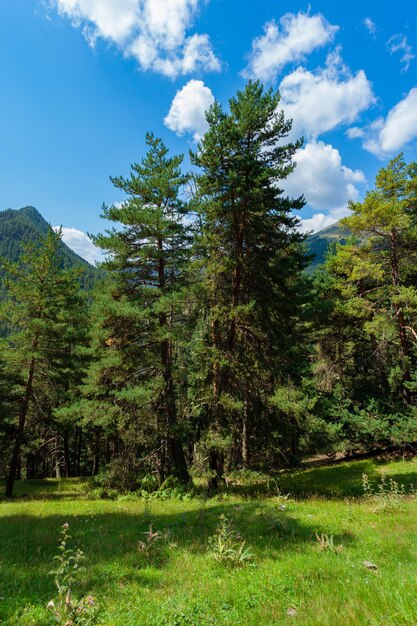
<point>367,339</point>
<point>387,217</point>
<point>140,320</point>
<point>40,314</point>
<point>251,262</point>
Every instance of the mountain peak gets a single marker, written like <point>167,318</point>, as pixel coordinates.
<point>318,243</point>
<point>19,226</point>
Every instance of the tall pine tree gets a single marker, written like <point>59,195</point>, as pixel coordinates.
<point>251,262</point>
<point>140,321</point>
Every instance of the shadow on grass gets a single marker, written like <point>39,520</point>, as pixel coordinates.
<point>109,541</point>
<point>48,489</point>
<point>338,480</point>
<point>343,480</point>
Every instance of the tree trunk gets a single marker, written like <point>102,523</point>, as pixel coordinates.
<point>401,324</point>
<point>24,407</point>
<point>78,452</point>
<point>67,458</point>
<point>215,459</point>
<point>58,457</point>
<point>245,435</point>
<point>176,457</point>
<point>216,466</point>
<point>96,454</point>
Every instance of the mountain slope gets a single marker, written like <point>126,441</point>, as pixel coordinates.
<point>27,224</point>
<point>318,243</point>
<point>18,227</point>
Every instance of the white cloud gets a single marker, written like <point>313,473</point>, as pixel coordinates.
<point>154,32</point>
<point>188,108</point>
<point>322,100</point>
<point>296,36</point>
<point>110,19</point>
<point>196,54</point>
<point>81,244</point>
<point>326,183</point>
<point>399,128</point>
<point>399,43</point>
<point>320,220</point>
<point>370,26</point>
<point>355,132</point>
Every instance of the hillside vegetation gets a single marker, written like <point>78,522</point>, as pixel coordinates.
<point>26,225</point>
<point>318,244</point>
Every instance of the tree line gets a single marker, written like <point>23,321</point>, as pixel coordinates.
<point>207,345</point>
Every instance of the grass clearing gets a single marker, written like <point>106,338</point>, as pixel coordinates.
<point>293,579</point>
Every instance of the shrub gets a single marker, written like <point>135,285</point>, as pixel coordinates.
<point>155,546</point>
<point>326,543</point>
<point>66,609</point>
<point>387,496</point>
<point>225,545</point>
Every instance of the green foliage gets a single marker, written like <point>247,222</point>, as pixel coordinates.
<point>387,495</point>
<point>366,344</point>
<point>250,257</point>
<point>326,543</point>
<point>226,547</point>
<point>27,226</point>
<point>208,348</point>
<point>44,315</point>
<point>138,315</point>
<point>66,609</point>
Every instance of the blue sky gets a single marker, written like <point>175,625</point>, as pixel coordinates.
<point>83,80</point>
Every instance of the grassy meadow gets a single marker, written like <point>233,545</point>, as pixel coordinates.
<point>291,578</point>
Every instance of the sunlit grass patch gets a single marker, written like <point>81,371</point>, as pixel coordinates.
<point>291,579</point>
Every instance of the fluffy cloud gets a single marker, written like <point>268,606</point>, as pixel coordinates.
<point>110,19</point>
<point>326,183</point>
<point>322,100</point>
<point>355,132</point>
<point>196,54</point>
<point>320,220</point>
<point>399,43</point>
<point>321,177</point>
<point>81,244</point>
<point>390,135</point>
<point>152,31</point>
<point>293,39</point>
<point>188,108</point>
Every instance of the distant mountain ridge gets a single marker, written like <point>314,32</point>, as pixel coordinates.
<point>19,226</point>
<point>318,243</point>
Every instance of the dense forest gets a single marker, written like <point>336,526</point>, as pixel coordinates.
<point>208,344</point>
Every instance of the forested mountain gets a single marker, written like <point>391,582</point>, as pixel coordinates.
<point>25,225</point>
<point>318,243</point>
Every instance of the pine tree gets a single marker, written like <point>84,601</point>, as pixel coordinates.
<point>387,217</point>
<point>140,319</point>
<point>40,314</point>
<point>365,358</point>
<point>251,262</point>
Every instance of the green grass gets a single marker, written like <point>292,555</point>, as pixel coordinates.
<point>187,587</point>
